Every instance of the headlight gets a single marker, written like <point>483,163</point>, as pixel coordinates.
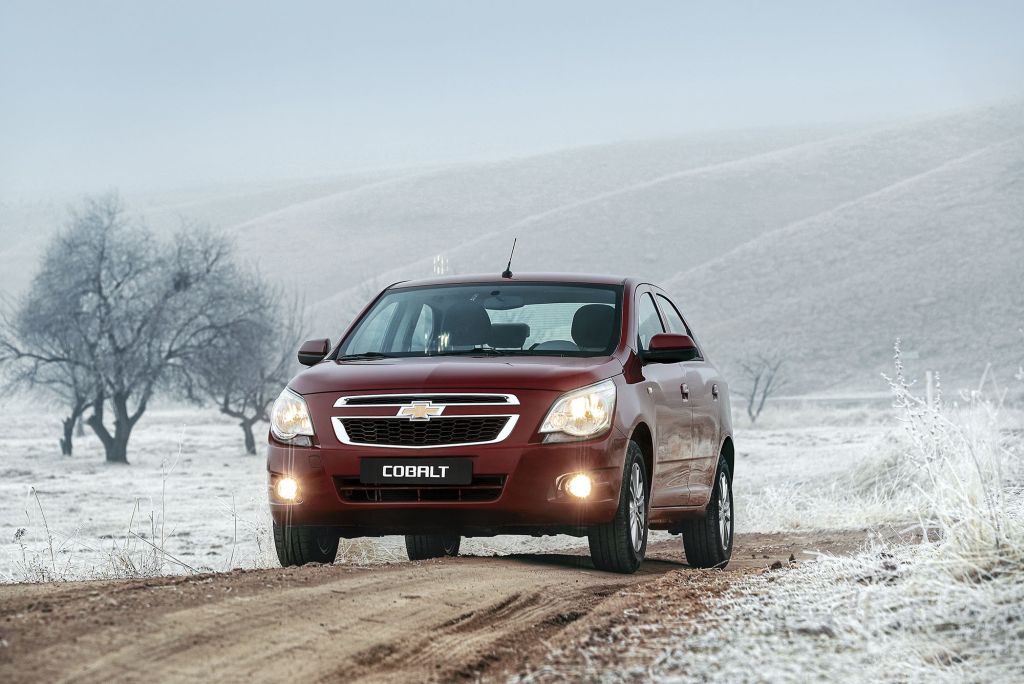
<point>586,412</point>
<point>289,419</point>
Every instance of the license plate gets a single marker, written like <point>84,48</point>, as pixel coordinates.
<point>416,471</point>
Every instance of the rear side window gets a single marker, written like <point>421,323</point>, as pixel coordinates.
<point>648,321</point>
<point>672,318</point>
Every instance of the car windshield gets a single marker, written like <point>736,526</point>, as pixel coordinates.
<point>501,318</point>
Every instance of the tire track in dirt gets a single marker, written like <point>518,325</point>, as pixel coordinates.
<point>459,618</point>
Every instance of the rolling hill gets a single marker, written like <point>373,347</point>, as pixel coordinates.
<point>936,260</point>
<point>825,242</point>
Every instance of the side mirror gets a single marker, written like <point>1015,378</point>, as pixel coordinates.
<point>670,348</point>
<point>313,352</point>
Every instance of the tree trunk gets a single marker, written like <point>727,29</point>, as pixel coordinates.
<point>117,450</point>
<point>114,445</point>
<point>250,440</point>
<point>69,423</point>
<point>65,441</point>
<point>752,398</point>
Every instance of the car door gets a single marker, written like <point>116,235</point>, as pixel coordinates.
<point>701,381</point>
<point>673,432</point>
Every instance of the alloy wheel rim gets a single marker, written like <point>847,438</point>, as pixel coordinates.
<point>724,511</point>
<point>636,507</point>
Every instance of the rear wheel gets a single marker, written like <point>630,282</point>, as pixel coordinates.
<point>424,546</point>
<point>301,545</point>
<point>620,545</point>
<point>707,541</point>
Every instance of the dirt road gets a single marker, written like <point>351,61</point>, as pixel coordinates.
<point>460,618</point>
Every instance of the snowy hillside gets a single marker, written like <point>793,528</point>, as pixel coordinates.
<point>935,259</point>
<point>826,241</point>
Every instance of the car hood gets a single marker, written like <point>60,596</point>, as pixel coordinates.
<point>441,374</point>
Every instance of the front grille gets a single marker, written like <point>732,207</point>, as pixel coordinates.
<point>442,431</point>
<point>400,399</point>
<point>482,488</point>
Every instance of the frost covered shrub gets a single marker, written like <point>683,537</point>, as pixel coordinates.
<point>948,466</point>
<point>961,469</point>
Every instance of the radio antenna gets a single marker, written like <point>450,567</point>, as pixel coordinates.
<point>508,269</point>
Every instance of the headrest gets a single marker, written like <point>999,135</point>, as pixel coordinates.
<point>592,326</point>
<point>508,335</point>
<point>467,324</point>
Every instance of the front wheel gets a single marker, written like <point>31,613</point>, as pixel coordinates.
<point>424,546</point>
<point>707,541</point>
<point>301,545</point>
<point>620,545</point>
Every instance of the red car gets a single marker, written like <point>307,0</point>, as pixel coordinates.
<point>527,404</point>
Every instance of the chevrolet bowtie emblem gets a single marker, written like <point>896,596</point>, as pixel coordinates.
<point>420,410</point>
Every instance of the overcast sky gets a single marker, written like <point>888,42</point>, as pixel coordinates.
<point>170,94</point>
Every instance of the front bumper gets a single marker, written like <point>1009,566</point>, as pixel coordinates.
<point>529,501</point>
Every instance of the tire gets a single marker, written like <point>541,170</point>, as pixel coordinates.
<point>301,545</point>
<point>424,546</point>
<point>707,541</point>
<point>620,545</point>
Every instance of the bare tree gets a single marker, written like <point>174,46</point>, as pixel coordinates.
<point>243,372</point>
<point>134,310</point>
<point>764,379</point>
<point>41,353</point>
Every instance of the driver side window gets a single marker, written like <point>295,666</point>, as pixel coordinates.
<point>648,322</point>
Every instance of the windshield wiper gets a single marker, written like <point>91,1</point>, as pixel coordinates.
<point>364,355</point>
<point>480,351</point>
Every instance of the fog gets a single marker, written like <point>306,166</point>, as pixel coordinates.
<point>830,192</point>
<point>143,96</point>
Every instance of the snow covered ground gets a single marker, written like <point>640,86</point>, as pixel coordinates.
<point>191,490</point>
<point>947,610</point>
<point>189,482</point>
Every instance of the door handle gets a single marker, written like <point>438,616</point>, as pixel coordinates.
<point>684,389</point>
<point>714,391</point>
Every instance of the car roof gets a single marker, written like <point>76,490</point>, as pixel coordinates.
<point>578,278</point>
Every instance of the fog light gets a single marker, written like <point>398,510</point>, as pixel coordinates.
<point>579,486</point>
<point>287,489</point>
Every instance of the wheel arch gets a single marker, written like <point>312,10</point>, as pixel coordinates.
<point>729,454</point>
<point>642,436</point>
